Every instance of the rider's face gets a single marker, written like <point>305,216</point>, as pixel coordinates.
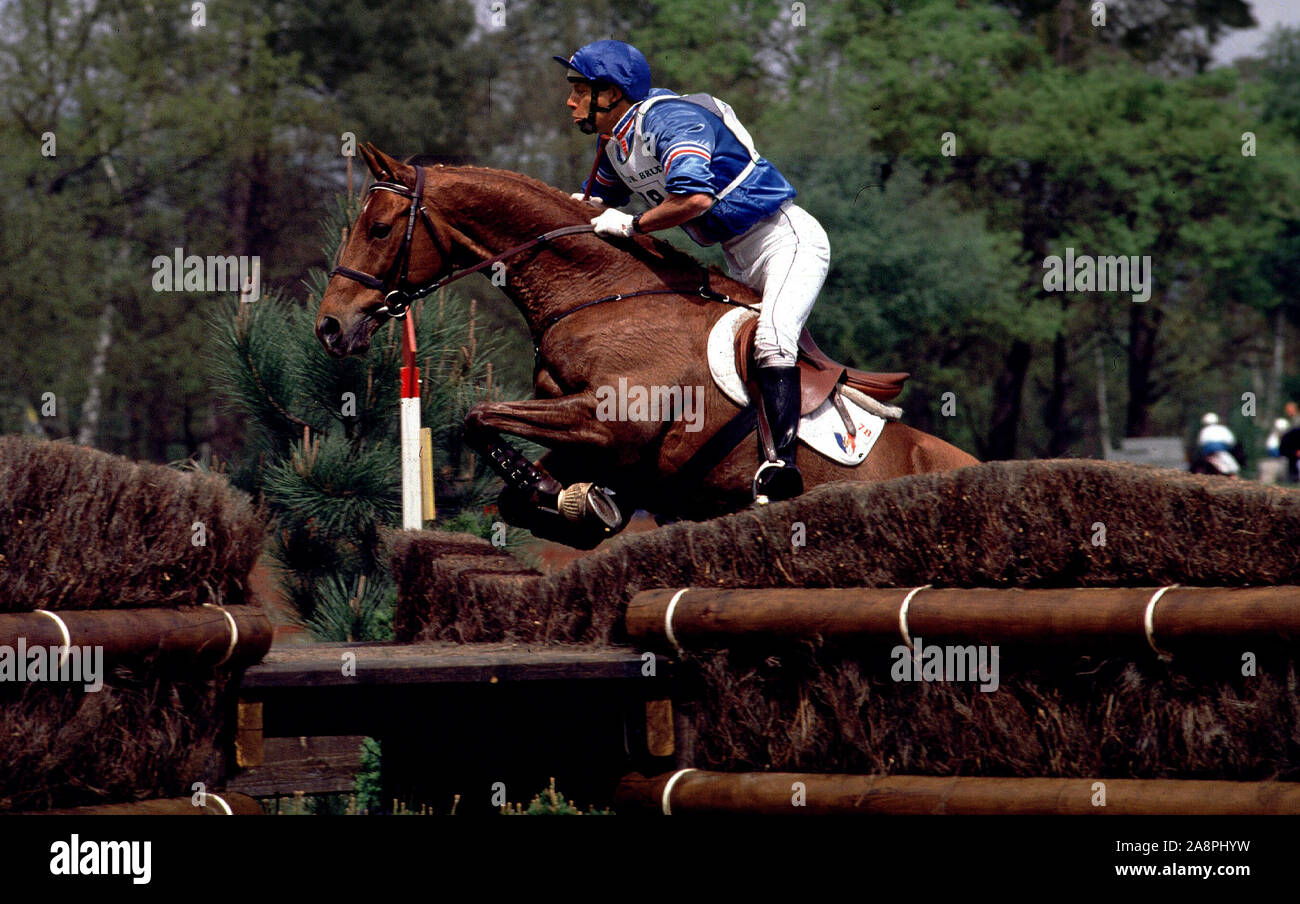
<point>579,103</point>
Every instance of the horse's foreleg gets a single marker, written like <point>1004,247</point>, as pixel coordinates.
<point>585,507</point>
<point>568,420</point>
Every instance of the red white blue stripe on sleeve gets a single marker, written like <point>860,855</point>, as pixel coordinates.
<point>687,149</point>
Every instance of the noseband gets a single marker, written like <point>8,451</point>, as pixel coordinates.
<point>399,298</point>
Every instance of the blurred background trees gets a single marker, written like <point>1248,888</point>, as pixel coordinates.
<point>948,146</point>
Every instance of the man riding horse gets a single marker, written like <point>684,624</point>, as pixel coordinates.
<point>696,166</point>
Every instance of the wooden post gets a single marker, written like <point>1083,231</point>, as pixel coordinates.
<point>659,727</point>
<point>429,504</point>
<point>248,734</point>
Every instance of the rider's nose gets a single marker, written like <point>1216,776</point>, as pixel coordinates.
<point>328,331</point>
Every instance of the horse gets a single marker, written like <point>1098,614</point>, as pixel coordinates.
<point>600,311</point>
<point>1223,463</point>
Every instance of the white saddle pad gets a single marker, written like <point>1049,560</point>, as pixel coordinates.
<point>1224,461</point>
<point>823,429</point>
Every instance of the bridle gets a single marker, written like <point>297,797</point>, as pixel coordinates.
<point>398,299</point>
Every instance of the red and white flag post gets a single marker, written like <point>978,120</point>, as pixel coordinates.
<point>412,498</point>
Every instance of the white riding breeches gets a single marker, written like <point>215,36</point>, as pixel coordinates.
<point>785,257</point>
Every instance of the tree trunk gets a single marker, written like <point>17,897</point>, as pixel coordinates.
<point>1007,395</point>
<point>1103,409</point>
<point>1274,400</point>
<point>1144,323</point>
<point>90,410</point>
<point>1058,422</point>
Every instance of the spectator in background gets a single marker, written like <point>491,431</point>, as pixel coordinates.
<point>1272,467</point>
<point>1271,445</point>
<point>1288,446</point>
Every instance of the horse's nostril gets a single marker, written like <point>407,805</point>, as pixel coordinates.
<point>328,329</point>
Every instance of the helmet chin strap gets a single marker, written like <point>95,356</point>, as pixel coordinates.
<point>588,125</point>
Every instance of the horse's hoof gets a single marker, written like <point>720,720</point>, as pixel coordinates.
<point>588,503</point>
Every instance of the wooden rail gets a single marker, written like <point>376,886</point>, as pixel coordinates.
<point>207,635</point>
<point>1163,618</point>
<point>214,804</point>
<point>363,688</point>
<point>791,793</point>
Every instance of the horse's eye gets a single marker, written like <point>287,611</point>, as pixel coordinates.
<point>380,230</point>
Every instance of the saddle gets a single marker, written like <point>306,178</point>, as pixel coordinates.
<point>818,374</point>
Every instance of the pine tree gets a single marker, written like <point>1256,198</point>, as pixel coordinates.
<point>323,444</point>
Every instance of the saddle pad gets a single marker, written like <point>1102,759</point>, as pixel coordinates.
<point>822,429</point>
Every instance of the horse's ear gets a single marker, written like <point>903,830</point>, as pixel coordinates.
<point>376,167</point>
<point>393,170</point>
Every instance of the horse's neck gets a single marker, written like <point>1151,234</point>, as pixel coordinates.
<point>498,213</point>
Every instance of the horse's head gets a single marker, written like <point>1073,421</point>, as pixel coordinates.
<point>396,244</point>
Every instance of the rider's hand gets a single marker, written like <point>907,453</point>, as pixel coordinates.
<point>613,223</point>
<point>594,200</point>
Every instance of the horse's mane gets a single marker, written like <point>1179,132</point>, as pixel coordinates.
<point>668,260</point>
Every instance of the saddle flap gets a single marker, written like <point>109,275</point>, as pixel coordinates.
<point>818,374</point>
<point>881,386</point>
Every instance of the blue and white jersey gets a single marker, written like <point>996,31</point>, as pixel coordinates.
<point>669,144</point>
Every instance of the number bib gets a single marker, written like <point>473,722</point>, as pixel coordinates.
<point>635,157</point>
<point>638,167</point>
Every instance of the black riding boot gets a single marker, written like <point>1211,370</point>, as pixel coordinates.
<point>780,388</point>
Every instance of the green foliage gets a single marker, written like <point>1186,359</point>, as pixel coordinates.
<point>324,448</point>
<point>369,787</point>
<point>550,802</point>
<point>225,139</point>
<point>345,613</point>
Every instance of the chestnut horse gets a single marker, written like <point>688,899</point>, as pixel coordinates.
<point>599,311</point>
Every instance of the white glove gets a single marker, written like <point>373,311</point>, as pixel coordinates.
<point>593,200</point>
<point>613,222</point>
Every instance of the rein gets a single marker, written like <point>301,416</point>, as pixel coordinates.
<point>400,298</point>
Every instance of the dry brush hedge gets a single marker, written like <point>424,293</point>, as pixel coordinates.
<point>814,706</point>
<point>1003,524</point>
<point>149,732</point>
<point>81,529</point>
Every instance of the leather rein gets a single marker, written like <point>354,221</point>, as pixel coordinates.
<point>399,299</point>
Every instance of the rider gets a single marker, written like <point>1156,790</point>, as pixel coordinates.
<point>1214,437</point>
<point>695,165</point>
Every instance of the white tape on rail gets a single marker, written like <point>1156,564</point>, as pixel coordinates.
<point>668,790</point>
<point>1149,621</point>
<point>902,615</point>
<point>67,636</point>
<point>668,619</point>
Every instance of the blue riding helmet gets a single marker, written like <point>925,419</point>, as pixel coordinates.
<point>614,63</point>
